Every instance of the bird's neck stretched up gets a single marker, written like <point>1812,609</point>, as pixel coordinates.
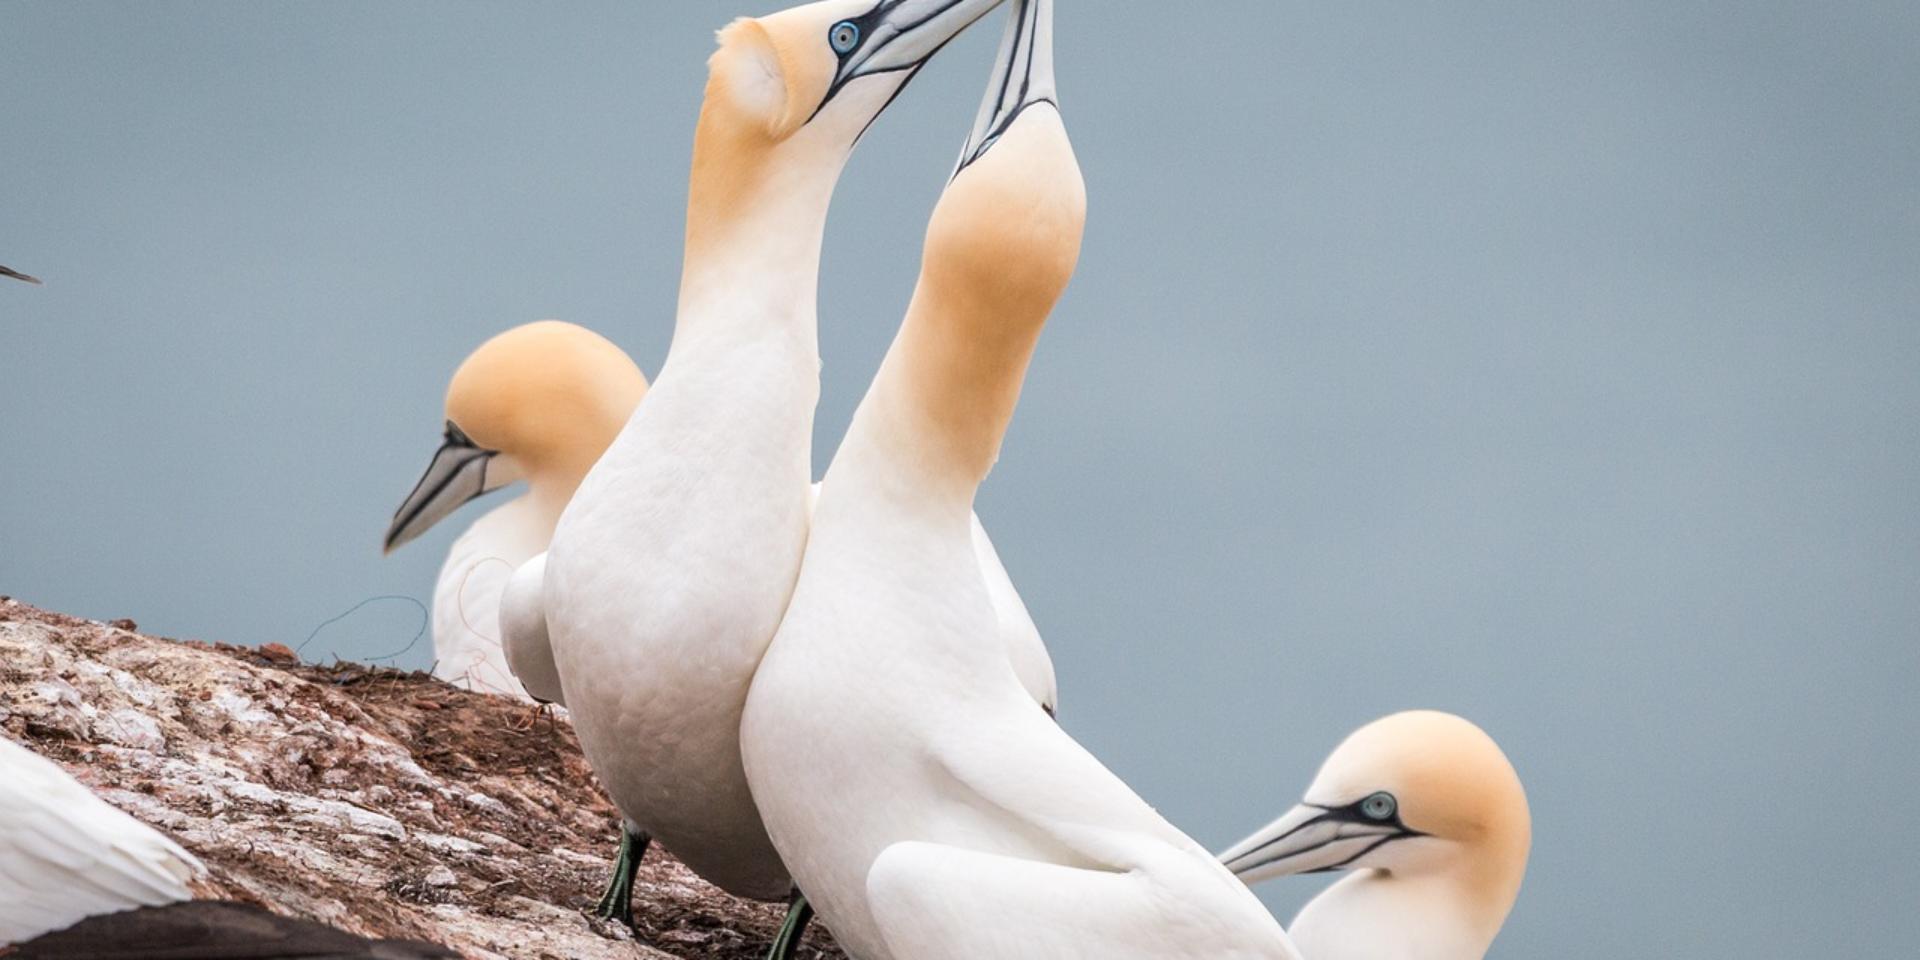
<point>756,213</point>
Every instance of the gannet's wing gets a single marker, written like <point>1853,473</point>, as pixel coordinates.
<point>1105,846</point>
<point>1024,646</point>
<point>208,929</point>
<point>523,632</point>
<point>938,902</point>
<point>66,854</point>
<point>17,275</point>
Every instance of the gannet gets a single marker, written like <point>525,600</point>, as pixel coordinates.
<point>17,275</point>
<point>671,568</point>
<point>1426,810</point>
<point>538,403</point>
<point>78,877</point>
<point>923,805</point>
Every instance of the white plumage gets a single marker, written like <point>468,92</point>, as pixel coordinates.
<point>66,854</point>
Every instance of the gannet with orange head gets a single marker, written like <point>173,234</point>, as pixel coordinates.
<point>672,566</point>
<point>1430,816</point>
<point>924,805</point>
<point>537,403</point>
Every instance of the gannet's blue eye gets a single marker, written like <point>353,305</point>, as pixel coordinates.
<point>844,36</point>
<point>1379,806</point>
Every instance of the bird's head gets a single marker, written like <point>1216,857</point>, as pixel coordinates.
<point>1414,793</point>
<point>541,400</point>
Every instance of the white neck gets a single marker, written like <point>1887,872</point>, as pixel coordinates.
<point>1373,915</point>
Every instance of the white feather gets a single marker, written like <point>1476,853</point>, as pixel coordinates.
<point>66,854</point>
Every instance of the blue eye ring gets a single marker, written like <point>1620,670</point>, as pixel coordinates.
<point>1380,806</point>
<point>844,37</point>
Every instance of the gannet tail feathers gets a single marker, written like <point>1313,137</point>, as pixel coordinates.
<point>214,930</point>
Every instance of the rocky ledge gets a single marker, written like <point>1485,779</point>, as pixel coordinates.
<point>388,804</point>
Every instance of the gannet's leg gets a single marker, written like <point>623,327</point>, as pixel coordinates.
<point>937,902</point>
<point>799,914</point>
<point>617,902</point>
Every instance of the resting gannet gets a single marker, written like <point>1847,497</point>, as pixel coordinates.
<point>17,275</point>
<point>924,806</point>
<point>537,403</point>
<point>671,568</point>
<point>80,878</point>
<point>1426,810</point>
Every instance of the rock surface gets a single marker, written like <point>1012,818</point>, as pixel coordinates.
<point>389,804</point>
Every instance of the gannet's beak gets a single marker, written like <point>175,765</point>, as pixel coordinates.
<point>17,275</point>
<point>899,35</point>
<point>457,474</point>
<point>1311,838</point>
<point>1022,77</point>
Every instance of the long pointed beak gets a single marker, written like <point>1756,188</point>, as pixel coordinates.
<point>457,475</point>
<point>1022,76</point>
<point>17,275</point>
<point>904,34</point>
<point>1306,839</point>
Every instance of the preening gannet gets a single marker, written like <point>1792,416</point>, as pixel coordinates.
<point>671,568</point>
<point>17,275</point>
<point>537,403</point>
<point>80,878</point>
<point>923,805</point>
<point>1430,816</point>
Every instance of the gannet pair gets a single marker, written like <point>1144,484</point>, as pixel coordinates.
<point>537,403</point>
<point>78,877</point>
<point>672,565</point>
<point>17,275</point>
<point>923,805</point>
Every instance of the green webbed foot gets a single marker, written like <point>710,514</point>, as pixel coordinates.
<point>617,902</point>
<point>799,914</point>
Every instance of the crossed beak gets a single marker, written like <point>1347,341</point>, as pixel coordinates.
<point>901,35</point>
<point>1022,77</point>
<point>457,475</point>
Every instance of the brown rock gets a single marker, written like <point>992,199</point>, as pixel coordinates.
<point>335,794</point>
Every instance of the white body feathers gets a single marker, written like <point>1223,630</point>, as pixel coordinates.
<point>66,854</point>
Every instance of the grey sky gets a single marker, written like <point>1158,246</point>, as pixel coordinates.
<point>1556,363</point>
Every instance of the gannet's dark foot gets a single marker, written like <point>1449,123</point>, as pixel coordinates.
<point>617,902</point>
<point>799,914</point>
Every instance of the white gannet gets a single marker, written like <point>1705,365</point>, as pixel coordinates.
<point>538,403</point>
<point>17,275</point>
<point>923,805</point>
<point>1426,810</point>
<point>671,568</point>
<point>79,877</point>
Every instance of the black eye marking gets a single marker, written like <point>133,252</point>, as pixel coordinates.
<point>1379,807</point>
<point>458,437</point>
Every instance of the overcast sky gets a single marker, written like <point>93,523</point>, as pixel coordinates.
<point>1556,363</point>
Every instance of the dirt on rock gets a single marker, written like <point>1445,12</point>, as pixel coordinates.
<point>387,803</point>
